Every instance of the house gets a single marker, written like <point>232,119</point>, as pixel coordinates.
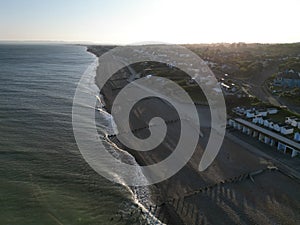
<point>272,111</point>
<point>228,87</point>
<point>282,142</point>
<point>256,119</point>
<point>293,121</point>
<point>262,112</point>
<point>249,110</point>
<point>239,110</point>
<point>289,119</point>
<point>289,78</point>
<point>271,125</point>
<point>250,114</point>
<point>297,136</point>
<point>260,120</point>
<point>286,130</point>
<point>277,126</point>
<point>267,122</point>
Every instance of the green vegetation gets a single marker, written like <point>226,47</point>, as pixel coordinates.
<point>243,60</point>
<point>282,114</point>
<point>174,74</point>
<point>246,64</point>
<point>290,63</point>
<point>240,60</point>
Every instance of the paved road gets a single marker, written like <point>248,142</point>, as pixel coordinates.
<point>289,165</point>
<point>258,87</point>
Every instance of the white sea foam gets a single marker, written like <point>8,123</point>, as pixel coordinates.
<point>106,126</point>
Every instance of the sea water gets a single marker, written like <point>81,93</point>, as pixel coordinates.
<point>43,177</point>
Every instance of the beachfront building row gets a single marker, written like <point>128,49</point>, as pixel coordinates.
<point>281,143</point>
<point>289,127</point>
<point>282,128</point>
<point>254,112</point>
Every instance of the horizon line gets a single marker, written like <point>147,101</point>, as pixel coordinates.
<point>120,44</point>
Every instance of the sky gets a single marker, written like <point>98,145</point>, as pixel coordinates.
<point>132,21</point>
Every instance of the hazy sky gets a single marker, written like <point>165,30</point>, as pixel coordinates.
<point>171,21</point>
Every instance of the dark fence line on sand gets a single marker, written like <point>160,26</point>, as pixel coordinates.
<point>184,209</point>
<point>179,206</point>
<point>143,128</point>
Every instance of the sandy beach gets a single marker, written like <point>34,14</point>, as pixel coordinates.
<point>240,187</point>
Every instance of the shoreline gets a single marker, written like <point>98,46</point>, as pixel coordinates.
<point>231,169</point>
<point>165,213</point>
<point>158,209</point>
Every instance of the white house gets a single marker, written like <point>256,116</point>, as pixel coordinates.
<point>262,112</point>
<point>286,130</point>
<point>249,110</point>
<point>250,114</point>
<point>260,120</point>
<point>267,122</point>
<point>256,119</point>
<point>277,126</point>
<point>271,124</point>
<point>297,136</point>
<point>239,110</point>
<point>272,111</point>
<point>289,120</point>
<point>295,122</point>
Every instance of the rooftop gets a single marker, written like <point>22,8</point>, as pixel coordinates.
<point>269,133</point>
<point>289,75</point>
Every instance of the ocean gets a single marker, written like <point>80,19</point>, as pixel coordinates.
<point>43,177</point>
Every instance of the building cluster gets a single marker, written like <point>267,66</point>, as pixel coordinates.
<point>227,85</point>
<point>288,78</point>
<point>254,112</point>
<point>289,126</point>
<point>255,122</point>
